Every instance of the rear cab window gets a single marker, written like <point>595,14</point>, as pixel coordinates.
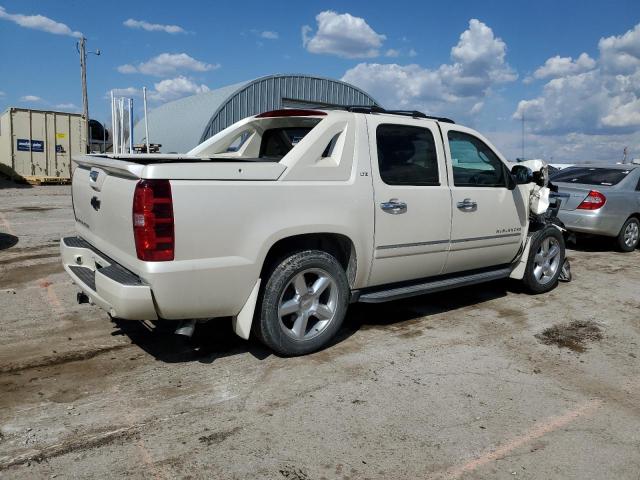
<point>592,176</point>
<point>407,155</point>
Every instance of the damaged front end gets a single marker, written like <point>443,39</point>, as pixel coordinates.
<point>544,204</point>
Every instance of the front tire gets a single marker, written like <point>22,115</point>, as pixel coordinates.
<point>629,235</point>
<point>304,302</point>
<point>546,257</point>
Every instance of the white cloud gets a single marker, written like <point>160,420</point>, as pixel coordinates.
<point>164,90</point>
<point>478,64</point>
<point>559,66</point>
<point>476,108</point>
<point>604,100</point>
<point>269,35</point>
<point>124,92</point>
<point>343,35</point>
<point>392,52</point>
<point>412,53</point>
<point>171,89</point>
<point>2,94</point>
<point>39,22</point>
<point>68,106</point>
<point>568,148</point>
<point>153,27</point>
<point>167,64</point>
<point>621,54</point>
<point>31,98</point>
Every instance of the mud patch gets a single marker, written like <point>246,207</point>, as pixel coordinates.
<point>25,258</point>
<point>37,209</point>
<point>293,473</point>
<point>75,444</point>
<point>574,335</point>
<point>217,437</point>
<point>59,359</point>
<point>20,275</point>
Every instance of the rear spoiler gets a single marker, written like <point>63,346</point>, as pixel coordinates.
<point>109,164</point>
<point>127,164</point>
<point>181,167</point>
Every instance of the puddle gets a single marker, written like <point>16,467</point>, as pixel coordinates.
<point>574,335</point>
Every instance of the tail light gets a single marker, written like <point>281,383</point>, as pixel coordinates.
<point>153,221</point>
<point>594,201</point>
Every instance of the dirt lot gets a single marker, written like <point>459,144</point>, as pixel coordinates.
<point>465,384</point>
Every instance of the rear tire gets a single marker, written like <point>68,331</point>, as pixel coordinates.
<point>546,257</point>
<point>629,236</point>
<point>303,303</point>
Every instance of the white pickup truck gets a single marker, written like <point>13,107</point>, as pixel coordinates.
<point>284,218</point>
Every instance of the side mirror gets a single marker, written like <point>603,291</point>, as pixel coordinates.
<point>522,175</point>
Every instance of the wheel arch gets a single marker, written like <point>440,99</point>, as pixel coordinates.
<point>336,244</point>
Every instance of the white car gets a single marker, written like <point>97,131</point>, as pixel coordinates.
<point>283,219</point>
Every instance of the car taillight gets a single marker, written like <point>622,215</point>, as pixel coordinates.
<point>594,201</point>
<point>153,221</point>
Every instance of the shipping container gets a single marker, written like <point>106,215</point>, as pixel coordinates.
<point>37,145</point>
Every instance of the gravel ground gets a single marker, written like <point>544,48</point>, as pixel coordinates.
<point>466,384</point>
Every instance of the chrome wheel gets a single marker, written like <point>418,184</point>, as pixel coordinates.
<point>631,234</point>
<point>547,260</point>
<point>308,304</point>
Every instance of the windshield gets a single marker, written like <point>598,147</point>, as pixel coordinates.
<point>591,176</point>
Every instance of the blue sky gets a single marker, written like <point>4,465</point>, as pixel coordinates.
<point>572,67</point>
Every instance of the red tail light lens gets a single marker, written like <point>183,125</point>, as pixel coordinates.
<point>594,201</point>
<point>153,221</point>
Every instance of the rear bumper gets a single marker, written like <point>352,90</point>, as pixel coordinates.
<point>107,284</point>
<point>596,222</point>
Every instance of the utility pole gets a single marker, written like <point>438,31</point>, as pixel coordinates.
<point>523,135</point>
<point>81,46</point>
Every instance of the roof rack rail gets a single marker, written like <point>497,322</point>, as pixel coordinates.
<point>407,113</point>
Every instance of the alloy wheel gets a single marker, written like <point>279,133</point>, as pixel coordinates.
<point>308,304</point>
<point>547,260</point>
<point>631,234</point>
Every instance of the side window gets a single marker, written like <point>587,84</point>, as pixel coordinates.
<point>474,163</point>
<point>406,155</point>
<point>638,186</point>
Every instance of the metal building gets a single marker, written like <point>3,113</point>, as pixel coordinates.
<point>37,145</point>
<point>182,124</point>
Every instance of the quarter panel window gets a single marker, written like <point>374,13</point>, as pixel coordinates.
<point>474,163</point>
<point>406,155</point>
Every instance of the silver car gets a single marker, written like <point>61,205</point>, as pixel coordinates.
<point>603,200</point>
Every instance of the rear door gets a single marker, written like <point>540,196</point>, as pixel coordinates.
<point>488,219</point>
<point>412,199</point>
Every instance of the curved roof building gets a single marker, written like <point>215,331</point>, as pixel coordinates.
<point>182,124</point>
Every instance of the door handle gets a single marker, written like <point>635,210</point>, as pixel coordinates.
<point>468,205</point>
<point>394,206</point>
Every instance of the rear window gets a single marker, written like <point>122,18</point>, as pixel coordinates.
<point>277,142</point>
<point>591,176</point>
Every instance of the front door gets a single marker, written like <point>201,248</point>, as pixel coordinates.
<point>412,199</point>
<point>488,219</point>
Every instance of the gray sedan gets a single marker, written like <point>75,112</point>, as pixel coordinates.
<point>603,200</point>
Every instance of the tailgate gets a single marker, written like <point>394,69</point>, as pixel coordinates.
<point>576,195</point>
<point>102,205</point>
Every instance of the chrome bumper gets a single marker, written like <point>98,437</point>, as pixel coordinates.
<point>107,284</point>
